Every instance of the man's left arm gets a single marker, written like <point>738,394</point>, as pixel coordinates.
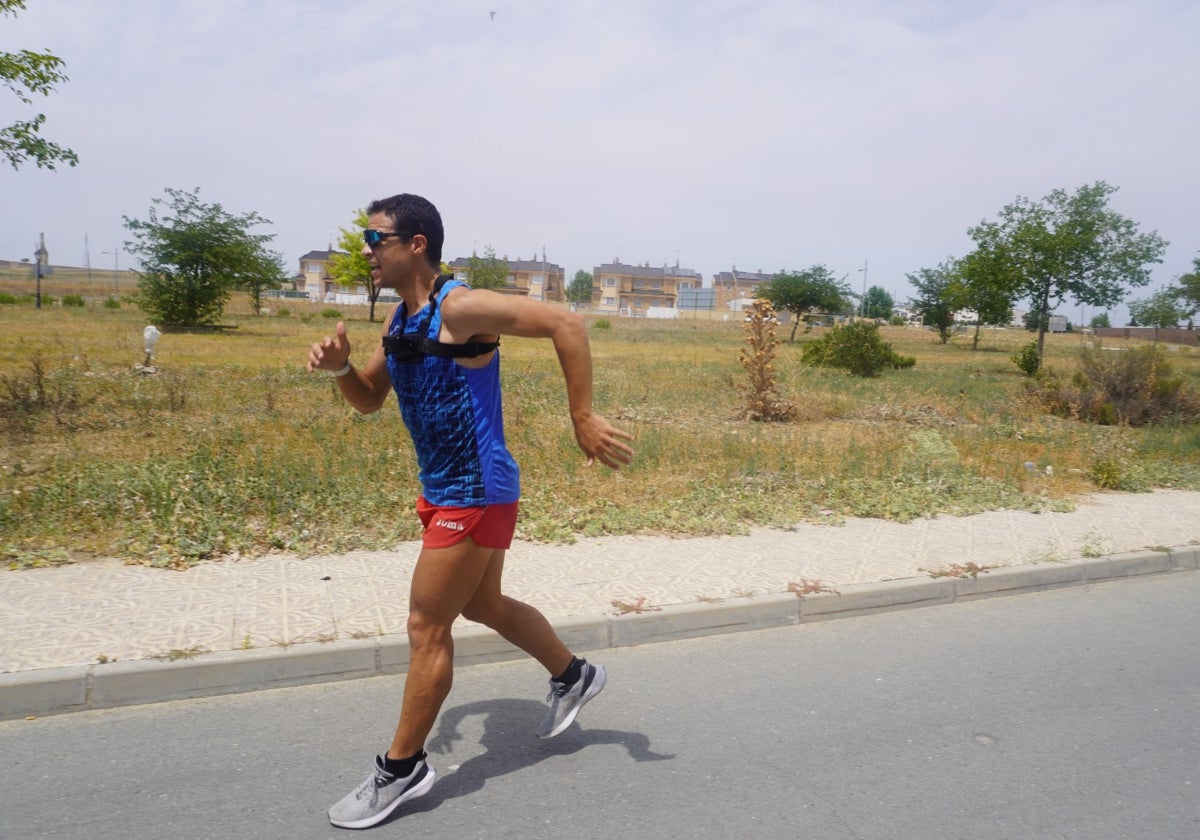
<point>473,313</point>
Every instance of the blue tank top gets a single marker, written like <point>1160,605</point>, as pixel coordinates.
<point>455,418</point>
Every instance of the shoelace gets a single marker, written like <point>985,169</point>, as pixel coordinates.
<point>557,689</point>
<point>379,780</point>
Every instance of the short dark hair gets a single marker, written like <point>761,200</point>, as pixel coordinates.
<point>410,215</point>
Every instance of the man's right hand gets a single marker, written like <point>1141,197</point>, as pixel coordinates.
<point>332,352</point>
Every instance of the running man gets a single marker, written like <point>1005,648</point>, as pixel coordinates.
<point>440,354</point>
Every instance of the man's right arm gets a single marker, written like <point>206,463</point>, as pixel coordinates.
<point>364,388</point>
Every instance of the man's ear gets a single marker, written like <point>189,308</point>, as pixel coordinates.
<point>419,243</point>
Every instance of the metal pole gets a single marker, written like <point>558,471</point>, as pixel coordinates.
<point>862,304</point>
<point>116,265</point>
<point>40,256</point>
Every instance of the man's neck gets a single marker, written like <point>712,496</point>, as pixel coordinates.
<point>415,290</point>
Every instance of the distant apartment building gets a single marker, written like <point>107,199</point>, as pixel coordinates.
<point>314,279</point>
<point>537,279</point>
<point>635,289</point>
<point>735,284</point>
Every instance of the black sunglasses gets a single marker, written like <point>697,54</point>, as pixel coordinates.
<point>374,238</point>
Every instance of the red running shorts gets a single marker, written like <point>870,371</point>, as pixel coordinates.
<point>491,526</point>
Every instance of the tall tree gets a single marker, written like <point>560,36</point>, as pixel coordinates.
<point>192,255</point>
<point>878,303</point>
<point>1161,310</point>
<point>985,290</point>
<point>27,73</point>
<point>1035,320</point>
<point>800,292</point>
<point>940,293</point>
<point>347,265</point>
<point>1189,289</point>
<point>488,271</point>
<point>262,271</point>
<point>1068,245</point>
<point>580,288</point>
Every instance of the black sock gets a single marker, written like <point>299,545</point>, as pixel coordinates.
<point>573,673</point>
<point>401,767</point>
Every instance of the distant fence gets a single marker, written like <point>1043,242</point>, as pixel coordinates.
<point>1167,335</point>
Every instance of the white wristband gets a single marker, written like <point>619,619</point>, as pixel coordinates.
<point>344,370</point>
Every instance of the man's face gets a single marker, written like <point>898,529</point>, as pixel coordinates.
<point>392,260</point>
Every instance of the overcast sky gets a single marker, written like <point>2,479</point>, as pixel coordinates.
<point>712,133</point>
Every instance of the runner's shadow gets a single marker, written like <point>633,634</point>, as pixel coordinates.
<point>510,745</point>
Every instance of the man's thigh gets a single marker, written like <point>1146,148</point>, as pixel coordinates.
<point>446,579</point>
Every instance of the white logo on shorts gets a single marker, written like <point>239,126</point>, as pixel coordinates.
<point>446,523</point>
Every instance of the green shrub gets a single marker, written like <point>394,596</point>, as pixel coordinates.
<point>1134,387</point>
<point>1114,474</point>
<point>1027,359</point>
<point>283,312</point>
<point>8,300</point>
<point>856,348</point>
<point>602,324</point>
<point>112,303</point>
<point>72,300</point>
<point>331,314</point>
<point>61,393</point>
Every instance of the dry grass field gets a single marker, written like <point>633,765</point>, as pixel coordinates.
<point>231,448</point>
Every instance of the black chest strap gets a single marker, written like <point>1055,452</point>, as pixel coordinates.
<point>412,347</point>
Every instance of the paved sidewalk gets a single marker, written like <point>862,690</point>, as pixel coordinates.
<point>103,633</point>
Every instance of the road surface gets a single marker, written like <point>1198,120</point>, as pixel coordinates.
<point>1064,714</point>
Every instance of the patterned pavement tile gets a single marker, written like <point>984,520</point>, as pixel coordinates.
<point>76,614</point>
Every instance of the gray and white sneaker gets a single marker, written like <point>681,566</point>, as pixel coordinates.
<point>380,794</point>
<point>566,700</point>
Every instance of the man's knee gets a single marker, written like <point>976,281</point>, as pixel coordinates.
<point>425,630</point>
<point>485,611</point>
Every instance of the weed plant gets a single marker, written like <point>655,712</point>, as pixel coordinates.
<point>232,448</point>
<point>763,399</point>
<point>1136,386</point>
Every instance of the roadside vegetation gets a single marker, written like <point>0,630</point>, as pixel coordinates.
<point>225,446</point>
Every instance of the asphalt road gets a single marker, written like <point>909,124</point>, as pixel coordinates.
<point>1066,714</point>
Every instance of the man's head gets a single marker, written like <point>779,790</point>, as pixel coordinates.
<point>410,216</point>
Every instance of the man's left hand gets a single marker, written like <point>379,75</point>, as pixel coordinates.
<point>600,440</point>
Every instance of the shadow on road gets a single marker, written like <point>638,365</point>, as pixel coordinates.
<point>510,745</point>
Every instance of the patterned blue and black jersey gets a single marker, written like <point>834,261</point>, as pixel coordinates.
<point>456,421</point>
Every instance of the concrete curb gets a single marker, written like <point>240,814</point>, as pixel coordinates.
<point>103,686</point>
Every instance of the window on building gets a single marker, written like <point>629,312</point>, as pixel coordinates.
<point>609,300</point>
<point>609,282</point>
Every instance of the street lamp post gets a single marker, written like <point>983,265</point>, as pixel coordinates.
<point>116,255</point>
<point>40,257</point>
<point>862,304</point>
